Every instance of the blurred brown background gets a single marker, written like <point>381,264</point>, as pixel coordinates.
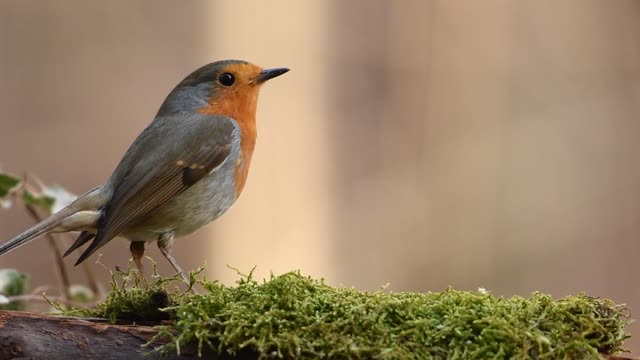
<point>421,143</point>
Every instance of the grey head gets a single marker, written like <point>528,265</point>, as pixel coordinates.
<point>195,91</point>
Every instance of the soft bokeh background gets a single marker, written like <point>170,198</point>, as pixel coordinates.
<point>419,143</point>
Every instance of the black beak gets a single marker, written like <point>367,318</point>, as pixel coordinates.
<point>269,74</point>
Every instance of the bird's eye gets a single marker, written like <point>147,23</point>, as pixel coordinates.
<point>226,79</point>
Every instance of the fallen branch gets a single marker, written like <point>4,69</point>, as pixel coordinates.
<point>27,335</point>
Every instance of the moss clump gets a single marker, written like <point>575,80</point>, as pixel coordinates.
<point>132,299</point>
<point>292,316</point>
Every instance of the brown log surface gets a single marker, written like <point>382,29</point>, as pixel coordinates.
<point>25,335</point>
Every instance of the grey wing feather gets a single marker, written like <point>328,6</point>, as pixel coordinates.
<point>170,155</point>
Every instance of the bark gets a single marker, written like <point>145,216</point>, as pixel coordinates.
<point>25,335</point>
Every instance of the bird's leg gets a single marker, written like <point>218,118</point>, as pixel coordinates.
<point>165,242</point>
<point>137,252</point>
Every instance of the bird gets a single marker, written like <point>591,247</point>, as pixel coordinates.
<point>184,170</point>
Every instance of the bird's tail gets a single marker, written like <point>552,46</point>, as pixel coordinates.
<point>81,214</point>
<point>37,230</point>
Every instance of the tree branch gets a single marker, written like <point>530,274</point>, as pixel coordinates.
<point>27,335</point>
<point>57,254</point>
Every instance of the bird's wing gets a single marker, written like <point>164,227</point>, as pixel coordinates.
<point>168,157</point>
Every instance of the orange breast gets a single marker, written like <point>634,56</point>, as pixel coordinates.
<point>240,105</point>
<point>241,174</point>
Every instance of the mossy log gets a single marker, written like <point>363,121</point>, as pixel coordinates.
<point>25,335</point>
<point>291,316</point>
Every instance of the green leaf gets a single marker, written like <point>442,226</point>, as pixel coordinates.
<point>8,183</point>
<point>60,195</point>
<point>38,200</point>
<point>13,282</point>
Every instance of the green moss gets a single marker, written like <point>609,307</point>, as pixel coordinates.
<point>293,316</point>
<point>132,299</point>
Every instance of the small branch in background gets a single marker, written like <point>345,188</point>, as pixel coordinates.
<point>62,268</point>
<point>35,196</point>
<point>91,279</point>
<point>86,266</point>
<point>57,299</point>
<point>39,290</point>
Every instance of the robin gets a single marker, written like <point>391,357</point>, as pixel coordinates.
<point>183,171</point>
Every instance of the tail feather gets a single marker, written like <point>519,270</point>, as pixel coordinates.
<point>85,208</point>
<point>81,240</point>
<point>37,230</point>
